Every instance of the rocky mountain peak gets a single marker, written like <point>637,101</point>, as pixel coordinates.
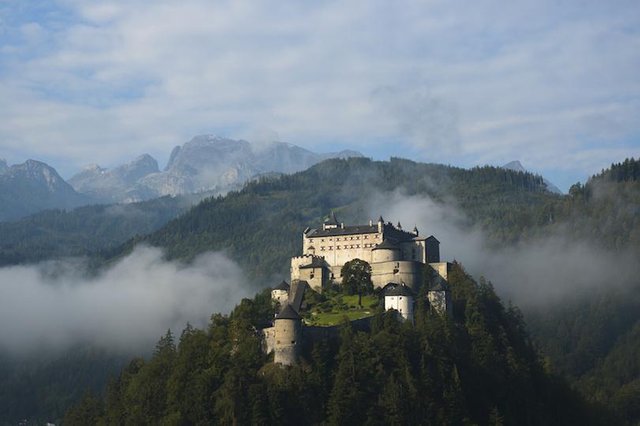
<point>516,166</point>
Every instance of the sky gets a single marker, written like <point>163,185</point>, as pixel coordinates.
<point>554,84</point>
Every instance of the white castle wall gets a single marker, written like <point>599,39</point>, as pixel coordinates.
<point>338,250</point>
<point>402,304</point>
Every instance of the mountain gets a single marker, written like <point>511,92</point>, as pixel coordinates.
<point>206,163</point>
<point>3,166</point>
<point>33,186</point>
<point>117,185</point>
<point>236,223</point>
<point>516,166</point>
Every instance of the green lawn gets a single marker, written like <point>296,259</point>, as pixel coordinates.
<point>341,306</point>
<point>325,319</point>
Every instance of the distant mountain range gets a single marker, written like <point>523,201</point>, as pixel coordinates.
<point>33,186</point>
<point>516,166</point>
<point>205,164</point>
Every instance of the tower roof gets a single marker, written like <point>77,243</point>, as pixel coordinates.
<point>386,245</point>
<point>398,290</point>
<point>282,286</point>
<point>332,220</point>
<point>316,262</point>
<point>288,313</point>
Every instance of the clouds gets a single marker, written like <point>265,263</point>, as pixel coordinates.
<point>125,308</point>
<point>544,82</point>
<point>538,271</point>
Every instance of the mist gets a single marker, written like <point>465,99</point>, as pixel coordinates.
<point>538,271</point>
<point>126,308</point>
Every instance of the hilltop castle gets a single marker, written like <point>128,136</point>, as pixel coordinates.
<point>395,255</point>
<point>398,260</point>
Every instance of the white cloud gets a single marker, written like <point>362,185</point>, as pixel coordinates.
<point>124,308</point>
<point>488,82</point>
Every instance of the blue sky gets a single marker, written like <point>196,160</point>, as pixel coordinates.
<point>554,84</point>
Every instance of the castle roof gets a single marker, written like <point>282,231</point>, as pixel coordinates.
<point>347,230</point>
<point>398,290</point>
<point>390,231</point>
<point>288,313</point>
<point>282,286</point>
<point>332,220</point>
<point>386,245</point>
<point>316,262</point>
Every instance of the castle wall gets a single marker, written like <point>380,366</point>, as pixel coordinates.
<point>386,255</point>
<point>442,268</point>
<point>280,296</point>
<point>268,339</point>
<point>402,304</point>
<point>408,272</point>
<point>440,301</point>
<point>339,250</point>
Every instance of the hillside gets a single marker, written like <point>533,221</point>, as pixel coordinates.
<point>260,225</point>
<point>56,234</point>
<point>477,368</point>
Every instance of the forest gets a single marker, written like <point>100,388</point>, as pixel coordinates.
<point>475,367</point>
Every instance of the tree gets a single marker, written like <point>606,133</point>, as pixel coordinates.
<point>356,278</point>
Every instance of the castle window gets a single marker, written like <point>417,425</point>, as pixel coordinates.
<point>337,247</point>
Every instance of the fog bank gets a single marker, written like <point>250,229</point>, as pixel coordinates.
<point>124,308</point>
<point>540,270</point>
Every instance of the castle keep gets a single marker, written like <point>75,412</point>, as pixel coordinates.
<point>395,255</point>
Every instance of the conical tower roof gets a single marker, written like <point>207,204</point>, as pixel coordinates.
<point>282,286</point>
<point>288,313</point>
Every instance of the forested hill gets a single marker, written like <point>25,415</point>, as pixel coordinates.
<point>56,234</point>
<point>478,367</point>
<point>260,226</point>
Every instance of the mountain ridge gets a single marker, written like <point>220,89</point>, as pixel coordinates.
<point>205,163</point>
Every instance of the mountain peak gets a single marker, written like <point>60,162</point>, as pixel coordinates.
<point>515,165</point>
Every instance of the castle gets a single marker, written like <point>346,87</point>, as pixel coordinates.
<point>395,255</point>
<point>398,260</point>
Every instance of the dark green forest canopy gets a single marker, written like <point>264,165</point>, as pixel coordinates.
<point>478,367</point>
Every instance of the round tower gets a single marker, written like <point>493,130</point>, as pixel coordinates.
<point>400,298</point>
<point>287,334</point>
<point>386,251</point>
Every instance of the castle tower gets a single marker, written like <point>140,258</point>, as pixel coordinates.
<point>280,293</point>
<point>386,251</point>
<point>287,336</point>
<point>400,298</point>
